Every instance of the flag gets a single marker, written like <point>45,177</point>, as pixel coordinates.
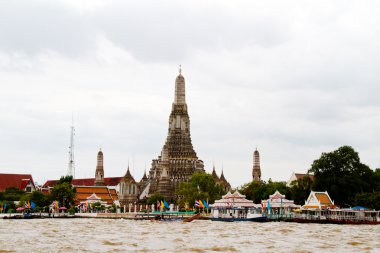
<point>205,203</point>
<point>196,204</point>
<point>5,206</point>
<point>158,204</point>
<point>166,204</point>
<point>32,205</point>
<point>162,205</point>
<point>200,202</point>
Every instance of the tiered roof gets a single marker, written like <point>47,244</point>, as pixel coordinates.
<point>233,200</point>
<point>318,200</point>
<point>277,200</point>
<point>103,192</point>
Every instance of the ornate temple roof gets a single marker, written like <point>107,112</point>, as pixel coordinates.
<point>84,193</point>
<point>320,200</point>
<point>234,200</point>
<point>128,176</point>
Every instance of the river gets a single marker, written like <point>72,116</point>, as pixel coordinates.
<point>108,235</point>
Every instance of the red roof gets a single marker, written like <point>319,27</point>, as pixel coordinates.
<point>19,181</point>
<point>108,181</point>
<point>109,195</point>
<point>300,176</point>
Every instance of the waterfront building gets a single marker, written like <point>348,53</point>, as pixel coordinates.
<point>277,204</point>
<point>318,200</point>
<point>93,194</point>
<point>256,170</point>
<point>296,176</point>
<point>234,205</point>
<point>177,157</point>
<point>23,182</point>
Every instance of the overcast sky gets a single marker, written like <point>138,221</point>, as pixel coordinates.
<point>292,78</point>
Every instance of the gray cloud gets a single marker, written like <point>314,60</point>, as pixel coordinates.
<point>295,79</point>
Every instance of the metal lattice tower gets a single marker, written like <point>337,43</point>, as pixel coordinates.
<point>71,167</point>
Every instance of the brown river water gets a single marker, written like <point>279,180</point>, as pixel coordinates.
<point>106,235</point>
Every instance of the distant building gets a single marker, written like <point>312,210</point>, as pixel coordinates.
<point>318,200</point>
<point>296,176</point>
<point>92,194</point>
<point>99,172</point>
<point>22,182</point>
<point>278,204</point>
<point>129,190</point>
<point>256,170</point>
<point>98,180</point>
<point>178,160</point>
<point>221,180</point>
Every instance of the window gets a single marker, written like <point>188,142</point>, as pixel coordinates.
<point>28,189</point>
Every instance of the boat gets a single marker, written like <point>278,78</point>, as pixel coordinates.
<point>337,216</point>
<point>190,219</point>
<point>235,207</point>
<point>320,208</point>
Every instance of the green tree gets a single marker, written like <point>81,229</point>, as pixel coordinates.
<point>300,190</point>
<point>201,186</point>
<point>13,194</point>
<point>40,199</point>
<point>64,193</point>
<point>341,173</point>
<point>154,198</point>
<point>65,179</point>
<point>260,190</point>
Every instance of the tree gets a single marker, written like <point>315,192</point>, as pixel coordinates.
<point>260,190</point>
<point>154,198</point>
<point>64,193</point>
<point>13,194</point>
<point>341,173</point>
<point>40,199</point>
<point>300,190</point>
<point>65,179</point>
<point>201,186</point>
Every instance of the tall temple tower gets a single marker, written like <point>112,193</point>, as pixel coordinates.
<point>256,171</point>
<point>99,172</point>
<point>177,157</point>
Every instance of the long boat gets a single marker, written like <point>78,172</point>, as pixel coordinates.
<point>337,216</point>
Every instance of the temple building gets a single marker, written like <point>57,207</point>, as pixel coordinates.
<point>220,180</point>
<point>318,200</point>
<point>23,182</point>
<point>178,160</point>
<point>278,204</point>
<point>256,171</point>
<point>99,172</point>
<point>129,189</point>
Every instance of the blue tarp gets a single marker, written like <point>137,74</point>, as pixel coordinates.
<point>358,208</point>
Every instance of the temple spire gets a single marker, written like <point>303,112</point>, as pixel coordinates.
<point>256,171</point>
<point>180,95</point>
<point>99,172</point>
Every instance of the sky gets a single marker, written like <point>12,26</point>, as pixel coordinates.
<point>290,78</point>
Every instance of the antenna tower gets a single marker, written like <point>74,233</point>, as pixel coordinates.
<point>71,168</point>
